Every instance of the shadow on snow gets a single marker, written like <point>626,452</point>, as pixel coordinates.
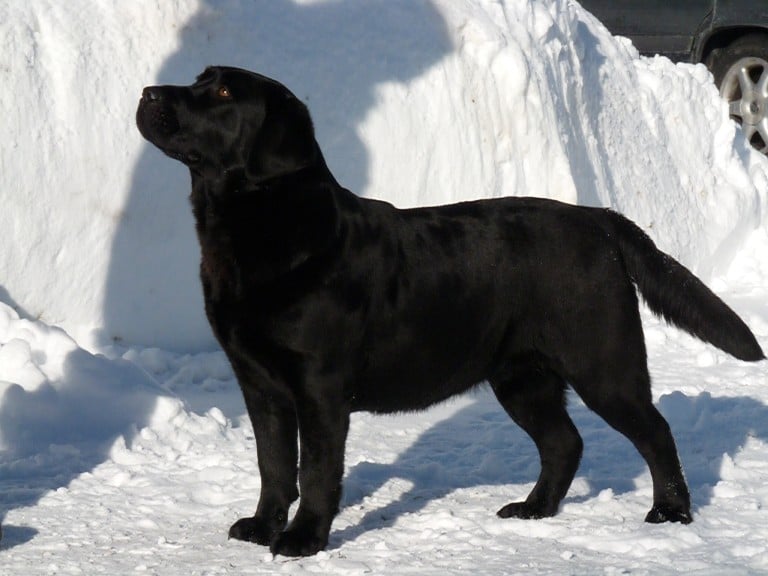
<point>481,446</point>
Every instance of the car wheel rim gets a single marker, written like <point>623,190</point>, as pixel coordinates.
<point>745,88</point>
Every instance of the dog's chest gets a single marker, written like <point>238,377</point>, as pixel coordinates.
<point>241,304</point>
<point>218,268</point>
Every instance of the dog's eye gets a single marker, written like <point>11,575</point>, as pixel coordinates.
<point>223,92</point>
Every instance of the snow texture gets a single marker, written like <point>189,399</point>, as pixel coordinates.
<point>124,447</point>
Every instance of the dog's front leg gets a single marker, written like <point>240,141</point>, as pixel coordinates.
<point>323,426</point>
<point>275,427</point>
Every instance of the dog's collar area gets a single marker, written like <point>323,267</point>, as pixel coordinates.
<point>230,183</point>
<point>271,179</point>
<point>191,158</point>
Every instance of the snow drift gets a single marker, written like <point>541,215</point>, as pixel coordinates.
<point>416,102</point>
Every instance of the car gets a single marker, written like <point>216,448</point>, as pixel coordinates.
<point>729,36</point>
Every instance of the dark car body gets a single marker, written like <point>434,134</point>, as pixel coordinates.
<point>683,30</point>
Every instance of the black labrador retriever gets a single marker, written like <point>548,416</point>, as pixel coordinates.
<point>327,303</point>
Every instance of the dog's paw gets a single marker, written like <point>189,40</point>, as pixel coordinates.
<point>523,510</point>
<point>254,529</point>
<point>296,542</point>
<point>660,514</point>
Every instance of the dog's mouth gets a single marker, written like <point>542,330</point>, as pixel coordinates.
<point>159,124</point>
<point>155,119</point>
<point>190,158</point>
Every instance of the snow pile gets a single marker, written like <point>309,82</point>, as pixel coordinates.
<point>54,393</point>
<point>415,102</point>
<point>124,448</point>
<point>537,99</point>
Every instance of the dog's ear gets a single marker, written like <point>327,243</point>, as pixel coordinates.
<point>285,141</point>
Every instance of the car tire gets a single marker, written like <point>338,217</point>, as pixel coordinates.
<point>740,70</point>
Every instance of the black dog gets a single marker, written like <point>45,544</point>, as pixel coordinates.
<point>327,303</point>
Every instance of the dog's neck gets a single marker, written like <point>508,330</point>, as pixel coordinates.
<point>259,221</point>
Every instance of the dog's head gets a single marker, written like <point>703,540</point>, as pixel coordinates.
<point>229,119</point>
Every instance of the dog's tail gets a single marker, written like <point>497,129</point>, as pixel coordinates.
<point>674,293</point>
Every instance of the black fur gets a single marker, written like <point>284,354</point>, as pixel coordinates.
<point>327,303</point>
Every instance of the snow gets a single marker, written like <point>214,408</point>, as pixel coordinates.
<point>124,446</point>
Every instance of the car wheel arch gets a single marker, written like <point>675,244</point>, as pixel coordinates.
<point>716,39</point>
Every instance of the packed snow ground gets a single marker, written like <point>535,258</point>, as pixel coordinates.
<point>125,447</point>
<point>110,472</point>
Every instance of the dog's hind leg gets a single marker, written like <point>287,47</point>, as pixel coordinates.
<point>620,394</point>
<point>534,397</point>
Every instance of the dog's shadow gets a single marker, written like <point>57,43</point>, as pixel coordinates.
<point>480,446</point>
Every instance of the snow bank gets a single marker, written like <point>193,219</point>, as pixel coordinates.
<point>54,394</point>
<point>416,102</point>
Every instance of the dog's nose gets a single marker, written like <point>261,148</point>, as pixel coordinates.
<point>151,93</point>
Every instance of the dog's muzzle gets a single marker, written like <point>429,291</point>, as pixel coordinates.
<point>155,117</point>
